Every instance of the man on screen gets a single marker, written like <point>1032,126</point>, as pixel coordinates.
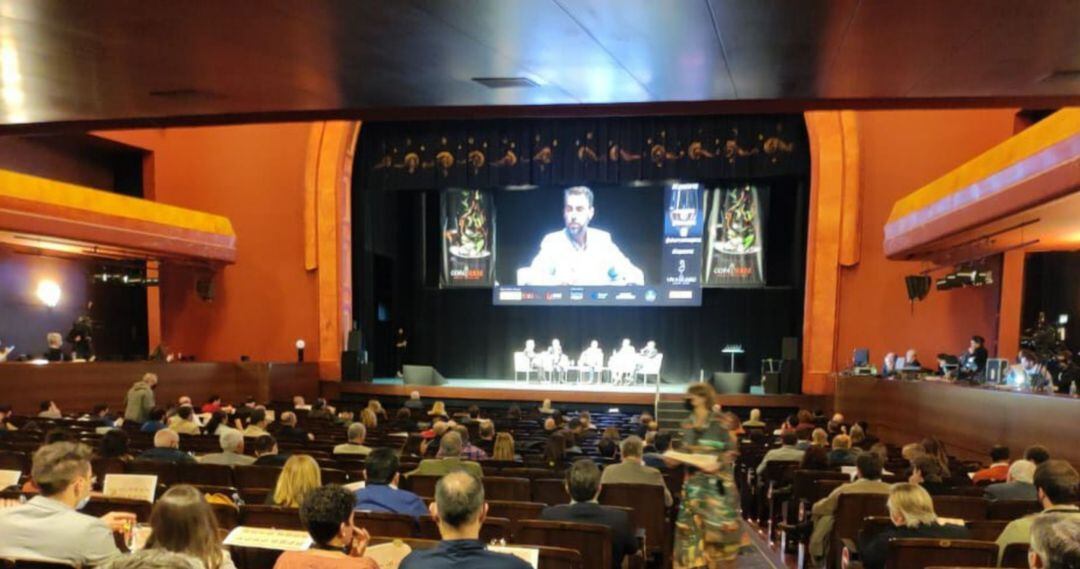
<point>578,254</point>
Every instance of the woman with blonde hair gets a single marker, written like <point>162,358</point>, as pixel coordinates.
<point>504,448</point>
<point>911,510</point>
<point>369,418</point>
<point>438,409</point>
<point>183,522</point>
<point>300,476</point>
<point>377,408</point>
<point>819,438</point>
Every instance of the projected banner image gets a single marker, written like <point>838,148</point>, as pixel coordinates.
<point>734,251</point>
<point>468,238</point>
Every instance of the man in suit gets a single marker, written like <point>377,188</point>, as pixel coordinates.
<point>450,450</point>
<point>166,448</point>
<point>232,450</point>
<point>290,432</point>
<point>868,481</point>
<point>357,433</point>
<point>583,485</point>
<point>632,471</point>
<point>266,452</point>
<point>1058,486</point>
<point>1018,486</point>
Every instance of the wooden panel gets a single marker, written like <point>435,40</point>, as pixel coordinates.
<point>77,387</point>
<point>969,420</point>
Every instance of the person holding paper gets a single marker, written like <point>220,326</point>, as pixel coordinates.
<point>707,529</point>
<point>49,525</point>
<point>327,513</point>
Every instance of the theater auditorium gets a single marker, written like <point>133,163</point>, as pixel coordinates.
<point>539,283</point>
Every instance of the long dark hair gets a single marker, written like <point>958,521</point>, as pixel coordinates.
<point>182,522</point>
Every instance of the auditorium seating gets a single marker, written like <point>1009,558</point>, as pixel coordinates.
<point>593,541</point>
<point>904,553</point>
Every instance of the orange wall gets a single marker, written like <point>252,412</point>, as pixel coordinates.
<point>254,175</point>
<point>901,151</point>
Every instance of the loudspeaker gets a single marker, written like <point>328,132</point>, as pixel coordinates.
<point>789,348</point>
<point>350,366</point>
<point>354,342</point>
<point>790,377</point>
<point>918,286</point>
<point>770,383</point>
<point>422,375</point>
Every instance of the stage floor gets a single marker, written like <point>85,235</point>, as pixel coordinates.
<point>509,384</point>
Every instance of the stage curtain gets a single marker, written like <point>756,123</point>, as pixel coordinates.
<point>501,153</point>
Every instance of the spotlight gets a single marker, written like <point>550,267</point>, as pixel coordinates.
<point>49,293</point>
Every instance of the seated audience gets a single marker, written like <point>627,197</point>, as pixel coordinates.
<point>113,444</point>
<point>586,420</point>
<point>232,450</point>
<point>1055,542</point>
<point>55,348</point>
<point>583,483</point>
<point>49,410</point>
<point>1018,485</point>
<point>266,452</point>
<point>369,419</point>
<point>836,426</point>
<point>998,470</point>
<point>555,451</point>
<point>433,436</point>
<point>101,416</point>
<point>469,451</point>
<point>881,451</point>
<point>459,510</point>
<point>867,481</point>
<point>403,421</point>
<point>320,411</point>
<point>608,445</point>
<point>450,452</point>
<point>549,425</point>
<point>183,522</point>
<point>184,421</point>
<point>5,419</point>
<point>414,401</point>
<point>355,445</point>
<point>327,514</point>
<point>290,432</point>
<point>486,436</point>
<point>819,438</point>
<point>1058,487</point>
<point>786,451</point>
<point>857,436</point>
<point>438,409</point>
<point>218,423</point>
<point>155,421</point>
<point>212,405</point>
<point>912,450</point>
<point>632,471</point>
<point>754,422</point>
<point>376,407</point>
<point>1037,454</point>
<point>139,400</point>
<point>49,525</point>
<point>504,448</point>
<point>300,476</point>
<point>926,472</point>
<point>661,444</point>
<point>815,458</point>
<point>513,414</point>
<point>546,408</point>
<point>258,423</point>
<point>153,559</point>
<point>643,423</point>
<point>911,511</point>
<point>380,492</point>
<point>166,448</point>
<point>841,453</point>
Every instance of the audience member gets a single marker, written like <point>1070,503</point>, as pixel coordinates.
<point>258,424</point>
<point>459,510</point>
<point>183,422</point>
<point>911,511</point>
<point>1018,485</point>
<point>786,452</point>
<point>55,348</point>
<point>656,459</point>
<point>155,421</point>
<point>327,514</point>
<point>102,416</point>
<point>5,419</point>
<point>320,412</point>
<point>300,476</point>
<point>355,445</point>
<point>998,470</point>
<point>608,445</point>
<point>139,400</point>
<point>232,450</point>
<point>935,448</point>
<point>881,451</point>
<point>1037,454</point>
<point>555,450</point>
<point>835,426</point>
<point>376,407</point>
<point>841,453</point>
<point>926,472</point>
<point>815,458</point>
<point>450,452</point>
<point>183,522</point>
<point>369,419</point>
<point>857,436</point>
<point>912,450</point>
<point>1057,485</point>
<point>414,401</point>
<point>49,525</point>
<point>469,451</point>
<point>153,559</point>
<point>754,422</point>
<point>429,446</point>
<point>380,492</point>
<point>867,481</point>
<point>266,452</point>
<point>549,425</point>
<point>586,420</point>
<point>583,483</point>
<point>290,432</point>
<point>403,421</point>
<point>212,405</point>
<point>504,448</point>
<point>1055,542</point>
<point>486,436</point>
<point>819,438</point>
<point>166,448</point>
<point>513,413</point>
<point>49,410</point>
<point>546,408</point>
<point>218,423</point>
<point>438,409</point>
<point>113,444</point>
<point>632,471</point>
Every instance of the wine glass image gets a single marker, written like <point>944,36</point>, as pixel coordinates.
<point>683,209</point>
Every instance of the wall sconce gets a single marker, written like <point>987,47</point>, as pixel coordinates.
<point>48,292</point>
<point>300,344</point>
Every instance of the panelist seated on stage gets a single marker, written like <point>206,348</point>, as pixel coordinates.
<point>554,359</point>
<point>580,255</point>
<point>592,357</point>
<point>531,354</point>
<point>1029,373</point>
<point>649,351</point>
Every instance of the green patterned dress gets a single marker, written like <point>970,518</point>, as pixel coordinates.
<point>707,529</point>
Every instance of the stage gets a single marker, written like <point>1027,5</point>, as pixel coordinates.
<point>509,390</point>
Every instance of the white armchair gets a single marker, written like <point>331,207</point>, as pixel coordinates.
<point>649,367</point>
<point>522,366</point>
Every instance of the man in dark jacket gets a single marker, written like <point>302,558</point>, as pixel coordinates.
<point>166,448</point>
<point>583,484</point>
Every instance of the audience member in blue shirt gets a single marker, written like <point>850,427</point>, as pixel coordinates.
<point>460,510</point>
<point>380,493</point>
<point>156,421</point>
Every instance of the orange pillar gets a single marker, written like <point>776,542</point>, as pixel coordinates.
<point>1012,296</point>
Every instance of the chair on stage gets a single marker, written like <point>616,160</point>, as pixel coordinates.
<point>649,367</point>
<point>523,367</point>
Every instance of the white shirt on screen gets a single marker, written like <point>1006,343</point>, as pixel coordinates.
<point>592,357</point>
<point>599,262</point>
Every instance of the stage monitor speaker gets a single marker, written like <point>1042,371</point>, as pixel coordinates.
<point>790,377</point>
<point>353,368</point>
<point>422,375</point>
<point>731,382</point>
<point>354,342</point>
<point>770,383</point>
<point>789,348</point>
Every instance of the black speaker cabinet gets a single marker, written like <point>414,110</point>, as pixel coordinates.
<point>790,377</point>
<point>352,369</point>
<point>789,348</point>
<point>770,382</point>
<point>354,342</point>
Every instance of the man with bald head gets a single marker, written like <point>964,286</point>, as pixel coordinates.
<point>290,432</point>
<point>459,510</point>
<point>450,452</point>
<point>232,450</point>
<point>166,448</point>
<point>1018,485</point>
